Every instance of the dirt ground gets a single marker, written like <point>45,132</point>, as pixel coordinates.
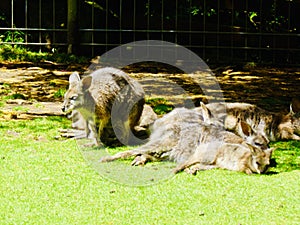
<point>29,90</point>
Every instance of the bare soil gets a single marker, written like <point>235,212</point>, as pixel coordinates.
<point>29,91</point>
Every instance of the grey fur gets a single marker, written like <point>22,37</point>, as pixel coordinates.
<point>180,135</point>
<point>108,98</point>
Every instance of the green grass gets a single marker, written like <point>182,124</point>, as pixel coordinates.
<point>47,181</point>
<point>18,53</point>
<point>160,105</point>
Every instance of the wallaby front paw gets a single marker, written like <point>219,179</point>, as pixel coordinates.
<point>106,159</point>
<point>192,170</point>
<point>139,161</point>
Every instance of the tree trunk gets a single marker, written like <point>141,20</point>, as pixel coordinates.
<point>72,26</point>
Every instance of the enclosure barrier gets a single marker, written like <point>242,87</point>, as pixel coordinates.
<point>218,31</point>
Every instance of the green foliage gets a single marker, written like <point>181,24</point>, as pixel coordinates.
<point>160,105</point>
<point>13,36</point>
<point>44,181</point>
<point>21,109</point>
<point>17,96</point>
<point>21,53</point>
<point>4,89</point>
<point>60,93</point>
<point>14,96</point>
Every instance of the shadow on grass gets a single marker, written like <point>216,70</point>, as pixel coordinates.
<point>285,158</point>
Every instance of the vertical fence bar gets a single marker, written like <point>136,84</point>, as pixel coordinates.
<point>204,29</point>
<point>176,23</point>
<point>190,26</point>
<point>40,24</point>
<point>273,37</point>
<point>148,19</point>
<point>106,26</point>
<point>260,31</point>
<point>231,30</point>
<point>53,22</point>
<point>12,21</point>
<point>246,28</point>
<point>162,20</point>
<point>289,28</point>
<point>93,27</point>
<point>26,21</point>
<point>120,22</point>
<point>218,32</point>
<point>134,22</point>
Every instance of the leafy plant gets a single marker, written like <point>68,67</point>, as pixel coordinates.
<point>15,96</point>
<point>21,109</point>
<point>60,93</point>
<point>160,105</point>
<point>14,36</point>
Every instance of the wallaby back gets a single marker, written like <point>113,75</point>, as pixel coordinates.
<point>180,135</point>
<point>108,98</point>
<point>270,126</point>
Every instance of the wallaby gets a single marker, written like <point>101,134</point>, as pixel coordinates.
<point>106,98</point>
<point>179,135</point>
<point>142,130</point>
<point>231,156</point>
<point>273,126</point>
<point>242,129</point>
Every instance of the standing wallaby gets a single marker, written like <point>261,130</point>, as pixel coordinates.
<point>273,126</point>
<point>78,130</point>
<point>180,135</point>
<point>106,98</point>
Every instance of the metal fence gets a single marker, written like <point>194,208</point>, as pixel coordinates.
<point>218,31</point>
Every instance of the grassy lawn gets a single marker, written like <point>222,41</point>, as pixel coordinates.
<point>48,181</point>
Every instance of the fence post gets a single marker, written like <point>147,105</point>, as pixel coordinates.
<point>72,26</point>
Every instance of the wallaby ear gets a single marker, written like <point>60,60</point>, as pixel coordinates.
<point>261,126</point>
<point>74,78</point>
<point>253,149</point>
<point>295,106</point>
<point>205,112</point>
<point>247,130</point>
<point>270,150</point>
<point>86,83</point>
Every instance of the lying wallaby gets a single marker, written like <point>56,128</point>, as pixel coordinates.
<point>179,136</point>
<point>106,97</point>
<point>242,128</point>
<point>231,156</point>
<point>274,126</point>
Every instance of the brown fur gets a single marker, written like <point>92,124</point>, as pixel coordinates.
<point>180,135</point>
<point>272,126</point>
<point>108,98</point>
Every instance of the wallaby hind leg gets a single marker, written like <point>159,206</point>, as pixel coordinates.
<point>185,165</point>
<point>142,159</point>
<point>195,168</point>
<point>120,155</point>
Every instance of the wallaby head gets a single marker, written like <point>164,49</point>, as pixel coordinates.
<point>72,93</point>
<point>295,106</point>
<point>74,96</point>
<point>295,116</point>
<point>240,127</point>
<point>260,159</point>
<point>287,127</point>
<point>252,137</point>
